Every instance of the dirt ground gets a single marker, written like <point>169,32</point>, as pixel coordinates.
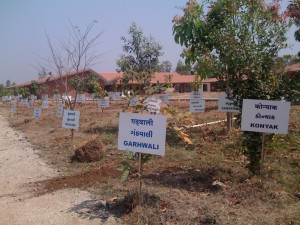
<point>203,183</point>
<point>20,168</point>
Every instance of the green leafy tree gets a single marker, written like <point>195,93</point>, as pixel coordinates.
<point>238,40</point>
<point>183,69</point>
<point>92,84</point>
<point>34,87</point>
<point>141,59</point>
<point>4,91</point>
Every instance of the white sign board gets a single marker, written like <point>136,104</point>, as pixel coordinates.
<point>133,101</point>
<point>45,104</point>
<point>37,112</point>
<point>44,96</point>
<point>265,116</point>
<point>197,105</point>
<point>71,119</point>
<point>196,94</point>
<point>153,106</point>
<point>60,110</point>
<point>226,105</point>
<point>163,97</point>
<point>115,96</point>
<point>103,103</point>
<point>143,133</point>
<point>4,98</point>
<point>80,98</point>
<point>30,103</point>
<point>14,107</point>
<point>24,101</point>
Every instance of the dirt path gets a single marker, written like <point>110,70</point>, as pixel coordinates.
<point>19,167</point>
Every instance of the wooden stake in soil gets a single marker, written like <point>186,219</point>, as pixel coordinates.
<point>228,122</point>
<point>262,154</point>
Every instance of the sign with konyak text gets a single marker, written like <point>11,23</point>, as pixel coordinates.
<point>265,116</point>
<point>145,133</point>
<point>71,119</point>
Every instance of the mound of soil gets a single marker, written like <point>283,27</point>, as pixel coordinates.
<point>92,151</point>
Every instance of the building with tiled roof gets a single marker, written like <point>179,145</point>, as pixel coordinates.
<point>109,81</point>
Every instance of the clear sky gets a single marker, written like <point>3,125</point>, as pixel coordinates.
<point>23,24</point>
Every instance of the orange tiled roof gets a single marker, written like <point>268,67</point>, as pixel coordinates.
<point>108,77</point>
<point>159,76</point>
<point>293,68</point>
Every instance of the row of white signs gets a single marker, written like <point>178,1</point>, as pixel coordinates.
<point>146,133</point>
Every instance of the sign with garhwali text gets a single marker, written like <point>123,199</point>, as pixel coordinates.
<point>226,105</point>
<point>71,119</point>
<point>197,105</point>
<point>145,133</point>
<point>265,116</point>
<point>37,112</point>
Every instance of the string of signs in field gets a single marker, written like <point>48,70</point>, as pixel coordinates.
<point>257,115</point>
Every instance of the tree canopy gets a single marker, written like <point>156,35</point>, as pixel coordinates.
<point>141,58</point>
<point>238,40</point>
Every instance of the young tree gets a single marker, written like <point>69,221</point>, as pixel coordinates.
<point>73,55</point>
<point>141,59</point>
<point>238,40</point>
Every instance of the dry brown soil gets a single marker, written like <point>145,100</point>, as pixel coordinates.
<point>203,183</point>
